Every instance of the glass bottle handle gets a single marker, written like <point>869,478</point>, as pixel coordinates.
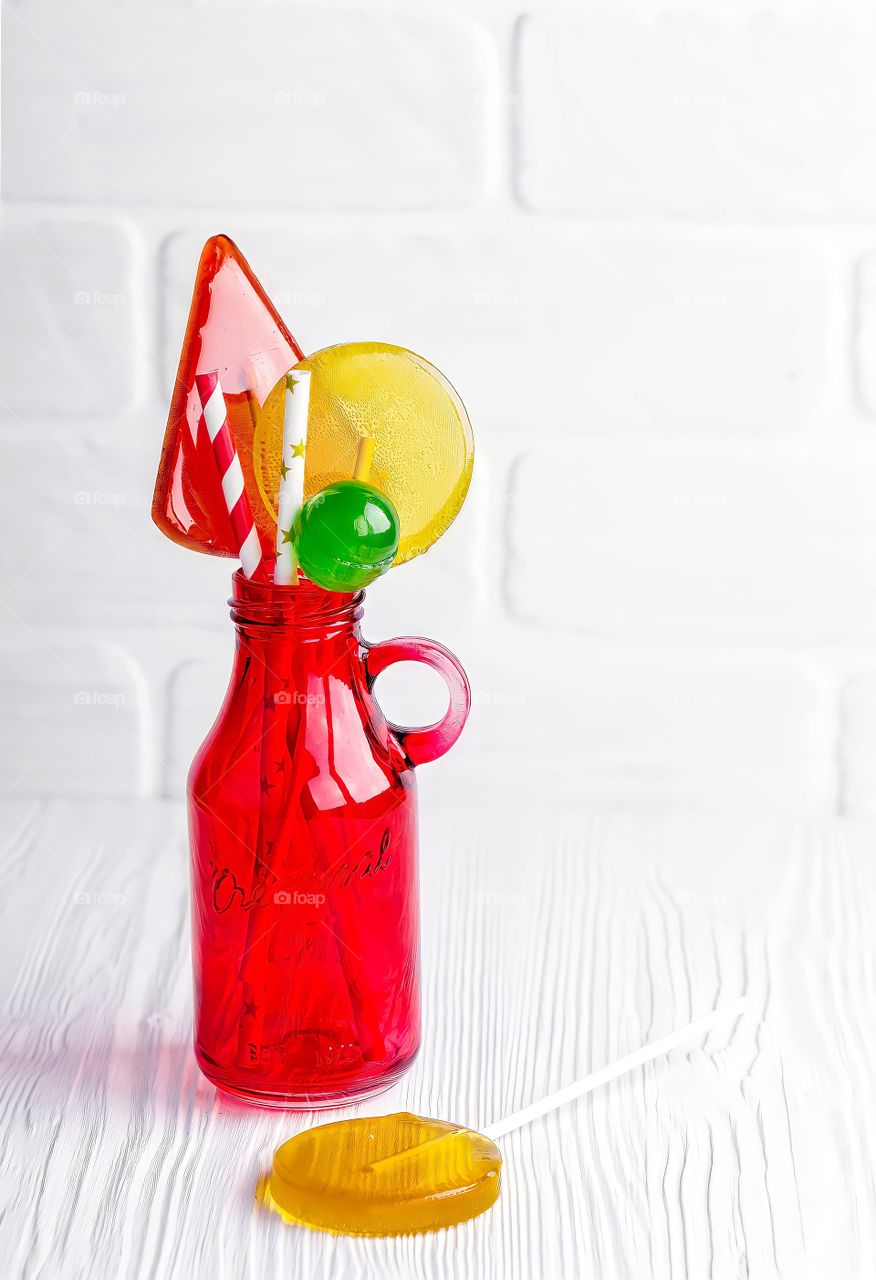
<point>430,742</point>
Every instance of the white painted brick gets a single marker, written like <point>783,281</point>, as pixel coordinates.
<point>858,745</point>
<point>245,106</point>
<point>865,332</point>
<point>80,546</point>
<point>559,328</point>
<point>642,731</point>
<point>73,715</point>
<point>195,693</point>
<point>558,720</point>
<point>726,115</point>
<point>728,545</point>
<point>67,332</point>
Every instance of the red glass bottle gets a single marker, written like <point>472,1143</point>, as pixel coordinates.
<point>303,825</point>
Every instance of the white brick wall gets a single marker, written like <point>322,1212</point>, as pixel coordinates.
<point>247,106</point>
<point>639,240</point>
<point>761,114</point>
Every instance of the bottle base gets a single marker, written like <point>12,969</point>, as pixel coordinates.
<point>327,1097</point>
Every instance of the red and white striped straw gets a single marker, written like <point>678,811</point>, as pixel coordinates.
<point>215,415</point>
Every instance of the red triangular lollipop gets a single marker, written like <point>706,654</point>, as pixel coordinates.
<point>234,329</point>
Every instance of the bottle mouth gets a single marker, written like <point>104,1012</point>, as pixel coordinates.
<point>263,605</point>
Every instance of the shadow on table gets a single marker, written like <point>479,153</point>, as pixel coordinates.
<point>92,1069</point>
<point>152,1077</point>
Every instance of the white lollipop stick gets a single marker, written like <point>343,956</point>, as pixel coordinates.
<point>655,1049</point>
<point>291,498</point>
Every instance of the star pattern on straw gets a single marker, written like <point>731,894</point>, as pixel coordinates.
<point>287,535</point>
<point>291,383</point>
<point>295,451</point>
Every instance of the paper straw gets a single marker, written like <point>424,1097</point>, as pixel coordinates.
<point>291,497</point>
<point>215,417</point>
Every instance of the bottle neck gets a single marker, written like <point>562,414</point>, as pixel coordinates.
<point>301,615</point>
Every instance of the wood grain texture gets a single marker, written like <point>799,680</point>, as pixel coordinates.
<point>553,944</point>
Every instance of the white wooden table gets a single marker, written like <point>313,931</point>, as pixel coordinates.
<point>553,944</point>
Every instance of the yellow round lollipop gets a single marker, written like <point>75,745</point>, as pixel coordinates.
<point>423,447</point>
<point>390,1175</point>
<point>383,1175</point>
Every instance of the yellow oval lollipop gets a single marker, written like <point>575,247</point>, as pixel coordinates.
<point>423,447</point>
<point>383,1175</point>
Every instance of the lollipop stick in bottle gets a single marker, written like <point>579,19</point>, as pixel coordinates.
<point>364,458</point>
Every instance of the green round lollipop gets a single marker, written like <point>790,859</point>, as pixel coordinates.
<point>346,535</point>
